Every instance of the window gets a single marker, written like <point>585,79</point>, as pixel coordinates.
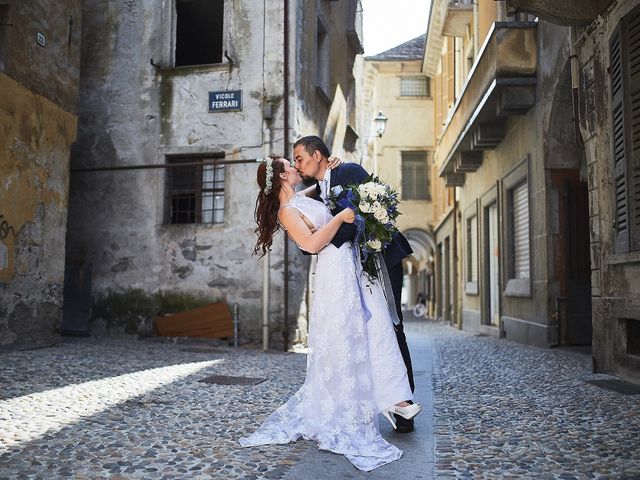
<point>625,128</point>
<point>472,254</point>
<point>519,209</point>
<point>415,179</point>
<point>199,32</point>
<point>4,35</point>
<point>195,192</point>
<point>517,258</point>
<point>323,61</point>
<point>414,86</point>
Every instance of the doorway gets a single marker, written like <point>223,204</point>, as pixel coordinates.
<point>492,260</point>
<point>573,265</point>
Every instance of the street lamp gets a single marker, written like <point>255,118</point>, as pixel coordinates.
<point>381,123</point>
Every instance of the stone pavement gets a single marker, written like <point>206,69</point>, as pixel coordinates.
<point>121,408</point>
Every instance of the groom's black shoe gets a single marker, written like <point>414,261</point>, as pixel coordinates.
<point>403,425</point>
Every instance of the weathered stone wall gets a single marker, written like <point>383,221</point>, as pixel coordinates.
<point>615,277</point>
<point>135,113</point>
<point>532,147</point>
<point>38,101</point>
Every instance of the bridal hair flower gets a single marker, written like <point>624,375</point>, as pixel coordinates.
<point>268,184</point>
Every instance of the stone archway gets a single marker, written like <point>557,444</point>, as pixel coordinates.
<point>419,267</point>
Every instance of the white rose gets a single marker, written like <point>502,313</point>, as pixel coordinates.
<point>381,215</point>
<point>365,207</point>
<point>375,245</point>
<point>375,206</point>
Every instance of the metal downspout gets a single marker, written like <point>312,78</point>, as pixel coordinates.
<point>285,98</point>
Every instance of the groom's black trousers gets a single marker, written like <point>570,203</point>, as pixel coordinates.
<point>395,276</point>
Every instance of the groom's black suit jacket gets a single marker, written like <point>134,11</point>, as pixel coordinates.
<point>352,173</point>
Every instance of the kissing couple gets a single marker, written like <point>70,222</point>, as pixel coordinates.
<point>358,362</point>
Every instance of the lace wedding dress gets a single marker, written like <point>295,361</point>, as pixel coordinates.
<point>354,365</point>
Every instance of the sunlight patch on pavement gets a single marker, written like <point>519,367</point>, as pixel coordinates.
<point>25,418</point>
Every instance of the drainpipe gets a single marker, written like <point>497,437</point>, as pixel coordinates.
<point>285,98</point>
<point>265,300</point>
<point>266,260</point>
<point>267,142</point>
<point>456,317</point>
<point>575,84</point>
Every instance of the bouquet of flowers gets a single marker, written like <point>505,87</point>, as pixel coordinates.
<point>376,207</point>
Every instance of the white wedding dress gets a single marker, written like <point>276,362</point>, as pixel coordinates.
<point>354,365</point>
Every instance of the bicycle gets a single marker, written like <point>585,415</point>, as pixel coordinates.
<point>419,310</point>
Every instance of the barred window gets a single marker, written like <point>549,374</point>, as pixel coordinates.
<point>415,178</point>
<point>414,86</point>
<point>195,193</point>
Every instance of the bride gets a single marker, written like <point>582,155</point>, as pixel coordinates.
<point>354,367</point>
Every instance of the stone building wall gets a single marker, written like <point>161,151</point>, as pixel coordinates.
<point>138,108</point>
<point>39,72</point>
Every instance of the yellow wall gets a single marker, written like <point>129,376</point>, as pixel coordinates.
<point>409,128</point>
<point>34,171</point>
<point>487,14</point>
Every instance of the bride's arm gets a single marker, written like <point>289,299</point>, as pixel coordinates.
<point>309,241</point>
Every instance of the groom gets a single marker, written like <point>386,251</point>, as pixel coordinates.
<point>311,155</point>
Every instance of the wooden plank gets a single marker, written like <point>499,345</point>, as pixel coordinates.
<point>210,321</point>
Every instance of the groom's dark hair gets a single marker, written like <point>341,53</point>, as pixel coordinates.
<point>311,143</point>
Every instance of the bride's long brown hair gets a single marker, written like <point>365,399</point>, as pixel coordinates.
<point>267,205</point>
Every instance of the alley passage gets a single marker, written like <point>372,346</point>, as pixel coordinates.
<point>120,408</point>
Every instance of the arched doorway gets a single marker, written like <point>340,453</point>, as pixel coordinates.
<point>419,269</point>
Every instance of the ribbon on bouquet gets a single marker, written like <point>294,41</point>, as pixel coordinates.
<point>357,265</point>
<point>387,289</point>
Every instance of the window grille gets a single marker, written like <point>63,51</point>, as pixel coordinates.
<point>414,86</point>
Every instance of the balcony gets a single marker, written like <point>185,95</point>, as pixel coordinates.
<point>568,12</point>
<point>456,14</point>
<point>501,84</point>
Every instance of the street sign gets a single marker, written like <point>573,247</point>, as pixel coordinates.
<point>225,101</point>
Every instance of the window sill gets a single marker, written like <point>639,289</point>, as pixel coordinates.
<point>414,97</point>
<point>471,288</point>
<point>622,258</point>
<point>206,226</point>
<point>518,287</point>
<point>187,69</point>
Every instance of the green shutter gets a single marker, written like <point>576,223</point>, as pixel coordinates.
<point>632,113</point>
<point>621,224</point>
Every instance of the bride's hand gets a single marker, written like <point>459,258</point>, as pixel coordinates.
<point>334,162</point>
<point>347,215</point>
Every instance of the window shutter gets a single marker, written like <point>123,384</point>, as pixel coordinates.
<point>521,231</point>
<point>632,113</point>
<point>621,224</point>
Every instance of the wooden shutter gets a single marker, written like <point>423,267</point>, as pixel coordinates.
<point>632,125</point>
<point>521,231</point>
<point>451,73</point>
<point>621,224</point>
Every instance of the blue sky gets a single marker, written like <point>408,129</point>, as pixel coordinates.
<point>389,23</point>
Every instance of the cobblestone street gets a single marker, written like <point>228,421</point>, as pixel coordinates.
<point>120,408</point>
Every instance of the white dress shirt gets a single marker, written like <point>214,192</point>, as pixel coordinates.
<point>324,185</point>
